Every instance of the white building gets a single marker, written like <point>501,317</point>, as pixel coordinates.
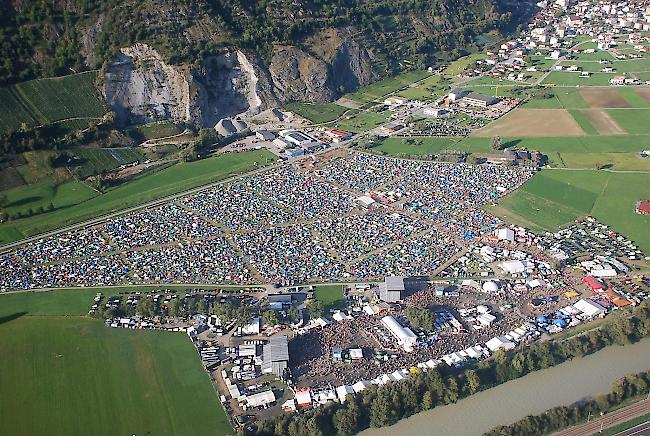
<point>260,399</point>
<point>405,337</point>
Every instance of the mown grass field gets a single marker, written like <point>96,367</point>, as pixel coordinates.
<point>633,121</point>
<point>331,296</point>
<point>563,78</point>
<point>363,121</point>
<point>45,101</point>
<point>158,130</point>
<point>26,197</point>
<point>455,67</point>
<point>74,375</point>
<point>177,178</point>
<point>582,120</point>
<point>379,89</point>
<point>555,197</point>
<point>317,112</point>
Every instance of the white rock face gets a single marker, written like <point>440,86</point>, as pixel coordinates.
<point>141,87</point>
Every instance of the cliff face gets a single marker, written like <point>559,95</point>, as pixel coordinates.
<point>141,87</point>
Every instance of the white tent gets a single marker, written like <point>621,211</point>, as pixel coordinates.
<point>361,385</point>
<point>343,391</point>
<point>589,308</point>
<point>513,266</point>
<point>505,234</point>
<point>499,342</point>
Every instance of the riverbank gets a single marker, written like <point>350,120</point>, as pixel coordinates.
<point>532,394</point>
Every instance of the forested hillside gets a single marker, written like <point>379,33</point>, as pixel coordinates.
<point>51,38</point>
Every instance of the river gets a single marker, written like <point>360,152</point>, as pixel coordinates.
<point>529,395</point>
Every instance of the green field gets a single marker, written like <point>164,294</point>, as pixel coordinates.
<point>362,122</point>
<point>634,121</point>
<point>70,374</point>
<point>151,186</point>
<point>556,197</point>
<point>99,160</point>
<point>74,375</point>
<point>331,296</point>
<point>317,112</point>
<point>158,130</point>
<point>549,145</point>
<point>457,66</point>
<point>381,88</point>
<point>584,123</point>
<point>44,101</point>
<point>422,146</point>
<point>564,78</point>
<point>634,99</point>
<point>24,198</point>
<point>427,89</point>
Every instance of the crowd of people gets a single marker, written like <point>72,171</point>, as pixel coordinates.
<point>314,364</point>
<point>287,225</point>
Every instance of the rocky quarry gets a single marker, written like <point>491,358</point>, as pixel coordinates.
<point>141,87</point>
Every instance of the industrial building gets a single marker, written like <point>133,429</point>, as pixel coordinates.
<point>276,356</point>
<point>479,100</point>
<point>396,288</point>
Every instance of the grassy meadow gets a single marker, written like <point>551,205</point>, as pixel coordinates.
<point>74,375</point>
<point>331,296</point>
<point>317,112</point>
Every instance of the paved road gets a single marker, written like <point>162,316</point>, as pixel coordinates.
<point>611,419</point>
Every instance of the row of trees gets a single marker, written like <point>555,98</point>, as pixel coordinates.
<point>381,406</point>
<point>631,387</point>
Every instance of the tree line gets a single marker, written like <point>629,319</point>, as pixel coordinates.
<point>385,405</point>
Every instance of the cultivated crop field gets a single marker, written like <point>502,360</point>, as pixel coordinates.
<point>98,160</point>
<point>45,101</point>
<point>604,98</point>
<point>634,121</point>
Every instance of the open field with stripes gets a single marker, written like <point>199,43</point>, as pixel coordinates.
<point>46,101</point>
